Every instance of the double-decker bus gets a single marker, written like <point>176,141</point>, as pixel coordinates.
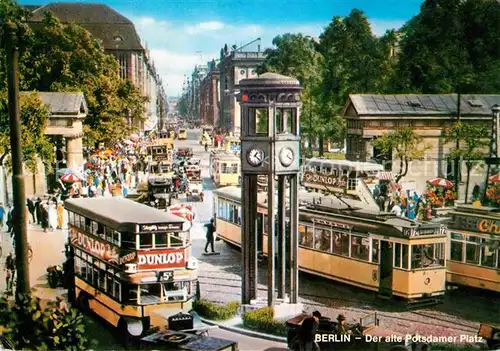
<point>132,263</point>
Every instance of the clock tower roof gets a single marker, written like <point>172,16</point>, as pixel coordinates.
<point>270,80</point>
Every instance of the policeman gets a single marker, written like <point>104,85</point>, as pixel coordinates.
<point>341,327</point>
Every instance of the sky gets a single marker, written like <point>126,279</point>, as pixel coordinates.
<point>183,33</point>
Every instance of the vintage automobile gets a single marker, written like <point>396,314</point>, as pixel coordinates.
<point>184,152</point>
<point>360,336</point>
<point>195,191</point>
<point>193,172</point>
<point>490,333</point>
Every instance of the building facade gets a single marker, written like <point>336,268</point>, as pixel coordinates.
<point>234,66</point>
<point>370,116</point>
<point>194,88</point>
<point>118,36</point>
<point>210,96</point>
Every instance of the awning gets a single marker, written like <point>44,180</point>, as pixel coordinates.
<point>386,176</point>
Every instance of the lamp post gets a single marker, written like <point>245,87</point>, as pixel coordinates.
<point>11,37</point>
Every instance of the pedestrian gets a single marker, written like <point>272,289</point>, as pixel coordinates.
<point>341,327</point>
<point>38,210</point>
<point>2,215</point>
<point>60,215</point>
<point>308,332</point>
<point>45,217</point>
<point>10,268</point>
<point>210,235</point>
<point>10,221</point>
<point>31,209</point>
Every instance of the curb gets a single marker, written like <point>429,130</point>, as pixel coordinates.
<point>246,332</point>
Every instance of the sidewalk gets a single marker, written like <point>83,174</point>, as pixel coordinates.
<point>48,250</point>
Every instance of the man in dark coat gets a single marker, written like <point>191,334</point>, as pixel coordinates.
<point>308,332</point>
<point>210,235</point>
<point>31,208</point>
<point>38,210</point>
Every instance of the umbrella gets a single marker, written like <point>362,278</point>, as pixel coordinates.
<point>128,142</point>
<point>70,178</point>
<point>495,178</point>
<point>134,137</point>
<point>181,211</point>
<point>445,183</point>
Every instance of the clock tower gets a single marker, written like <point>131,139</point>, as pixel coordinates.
<point>270,146</point>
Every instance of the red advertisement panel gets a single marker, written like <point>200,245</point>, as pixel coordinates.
<point>161,259</point>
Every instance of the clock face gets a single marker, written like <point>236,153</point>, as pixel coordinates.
<point>255,157</point>
<point>286,156</point>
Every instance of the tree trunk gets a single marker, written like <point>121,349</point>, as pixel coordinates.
<point>309,151</point>
<point>469,168</point>
<point>321,150</point>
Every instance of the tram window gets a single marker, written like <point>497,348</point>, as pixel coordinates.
<point>488,254</point>
<point>472,250</point>
<point>221,209</point>
<point>234,168</point>
<point>397,255</point>
<point>223,167</point>
<point>322,239</point>
<point>264,221</point>
<point>360,247</point>
<point>344,245</point>
<point>71,218</point>
<point>336,242</point>
<point>405,253</point>
<point>456,250</point>
<point>375,249</point>
<point>145,241</point>
<point>427,255</point>
<point>457,236</point>
<point>306,236</point>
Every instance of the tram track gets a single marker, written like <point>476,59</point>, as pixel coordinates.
<point>450,323</point>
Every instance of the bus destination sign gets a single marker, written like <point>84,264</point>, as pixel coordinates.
<point>93,246</point>
<point>326,180</point>
<point>161,259</point>
<point>161,227</point>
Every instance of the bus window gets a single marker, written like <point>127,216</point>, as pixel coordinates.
<point>131,293</point>
<point>109,284</point>
<point>161,240</point>
<point>117,291</point>
<point>150,294</point>
<point>145,241</point>
<point>175,240</point>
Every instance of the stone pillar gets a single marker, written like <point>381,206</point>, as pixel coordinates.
<point>281,249</point>
<point>249,238</point>
<point>74,152</point>
<point>294,239</point>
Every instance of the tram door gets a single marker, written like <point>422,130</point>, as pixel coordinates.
<point>385,273</point>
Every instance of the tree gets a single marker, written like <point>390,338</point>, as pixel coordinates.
<point>450,46</point>
<point>405,145</point>
<point>34,118</point>
<point>295,55</point>
<point>355,62</point>
<point>474,140</point>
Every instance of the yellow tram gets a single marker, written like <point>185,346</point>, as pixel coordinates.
<point>346,242</point>
<point>225,168</point>
<point>474,248</point>
<point>132,263</point>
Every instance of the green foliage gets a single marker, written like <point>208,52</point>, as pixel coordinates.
<point>34,117</point>
<point>405,145</point>
<point>451,45</point>
<point>263,320</point>
<point>29,326</point>
<point>474,140</point>
<point>215,312</point>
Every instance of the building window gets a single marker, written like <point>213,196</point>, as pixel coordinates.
<point>284,121</point>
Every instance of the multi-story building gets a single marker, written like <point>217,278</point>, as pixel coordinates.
<point>118,36</point>
<point>210,96</point>
<point>235,65</point>
<point>199,72</point>
<point>370,116</point>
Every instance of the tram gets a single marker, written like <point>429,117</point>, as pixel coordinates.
<point>132,263</point>
<point>474,258</point>
<point>345,241</point>
<point>225,168</point>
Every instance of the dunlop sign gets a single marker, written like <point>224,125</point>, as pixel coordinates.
<point>326,180</point>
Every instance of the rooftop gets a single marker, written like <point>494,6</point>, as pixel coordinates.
<point>63,104</point>
<point>424,105</point>
<point>121,213</point>
<point>114,30</point>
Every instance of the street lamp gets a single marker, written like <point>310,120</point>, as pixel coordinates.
<point>10,37</point>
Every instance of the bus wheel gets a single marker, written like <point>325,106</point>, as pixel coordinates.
<point>83,303</point>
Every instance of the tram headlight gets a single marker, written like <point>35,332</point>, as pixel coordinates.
<point>427,281</point>
<point>192,263</point>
